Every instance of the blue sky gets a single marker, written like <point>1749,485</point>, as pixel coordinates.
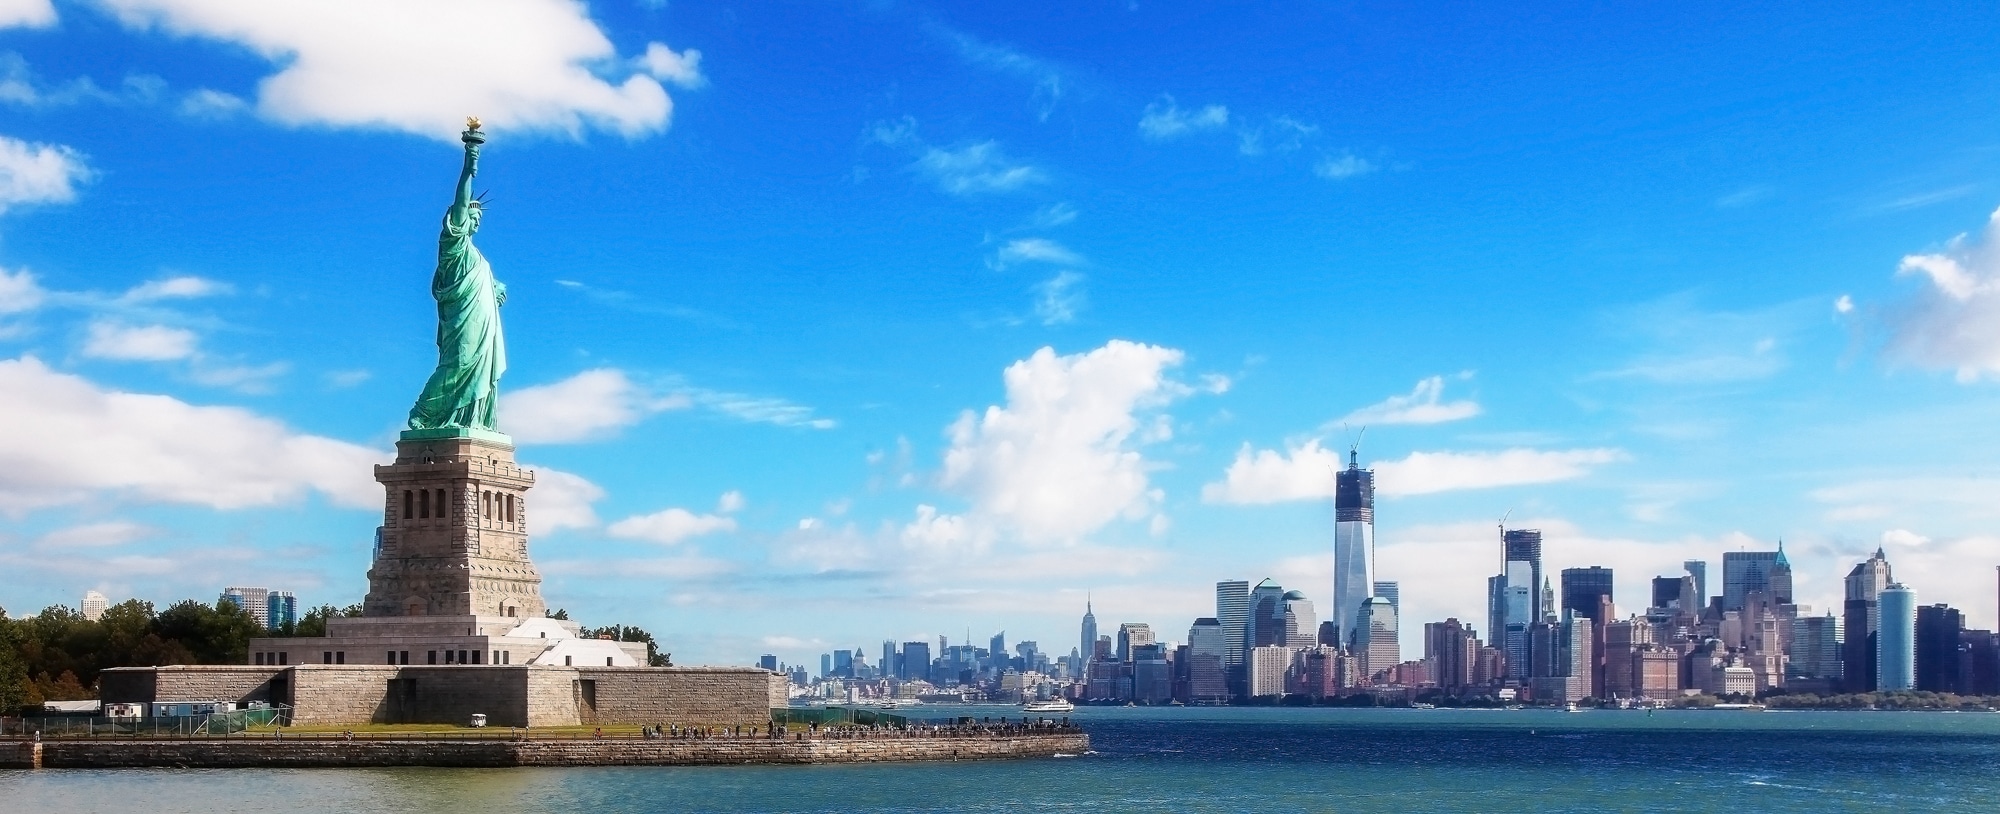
<point>836,322</point>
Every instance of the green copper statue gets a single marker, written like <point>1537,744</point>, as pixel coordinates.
<point>465,388</point>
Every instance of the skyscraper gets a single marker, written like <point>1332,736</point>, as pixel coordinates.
<point>1207,683</point>
<point>1860,621</point>
<point>1089,632</point>
<point>1938,629</point>
<point>1896,639</point>
<point>1521,598</point>
<point>888,664</point>
<point>1232,611</point>
<point>281,608</point>
<point>1584,589</point>
<point>1452,652</point>
<point>94,604</point>
<point>1301,629</point>
<point>1525,546</point>
<point>1747,571</point>
<point>1130,636</point>
<point>1816,647</point>
<point>1390,590</point>
<point>1266,625</point>
<point>252,600</point>
<point>1353,544</point>
<point>996,652</point>
<point>916,662</point>
<point>1378,645</point>
<point>1699,570</point>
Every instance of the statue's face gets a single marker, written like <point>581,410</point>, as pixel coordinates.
<point>475,215</point>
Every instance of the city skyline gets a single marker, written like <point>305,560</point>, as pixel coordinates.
<point>948,318</point>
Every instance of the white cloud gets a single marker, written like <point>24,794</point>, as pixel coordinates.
<point>1060,213</point>
<point>1035,250</point>
<point>19,292</point>
<point>27,13</point>
<point>589,405</point>
<point>561,500</point>
<point>1163,119</point>
<point>1046,77</point>
<point>419,67</point>
<point>209,103</point>
<point>1424,405</point>
<point>683,68</point>
<point>63,439</point>
<point>1844,305</point>
<point>1060,459</point>
<point>1689,345</point>
<point>760,409</point>
<point>1343,166</point>
<point>1284,134</point>
<point>181,287</point>
<point>38,173</point>
<point>976,168</point>
<point>1427,472</point>
<point>674,525</point>
<point>1058,298</point>
<point>1954,322</point>
<point>94,535</point>
<point>1301,472</point>
<point>138,343</point>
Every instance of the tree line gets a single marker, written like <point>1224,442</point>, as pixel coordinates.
<point>57,654</point>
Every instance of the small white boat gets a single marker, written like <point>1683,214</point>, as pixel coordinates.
<point>1051,705</point>
<point>1571,707</point>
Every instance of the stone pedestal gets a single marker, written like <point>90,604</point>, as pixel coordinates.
<point>454,537</point>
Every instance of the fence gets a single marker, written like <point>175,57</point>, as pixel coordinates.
<point>221,723</point>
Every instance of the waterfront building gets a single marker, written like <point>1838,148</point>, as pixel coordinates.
<point>1152,674</point>
<point>1353,544</point>
<point>93,606</point>
<point>1453,652</point>
<point>1132,635</point>
<point>1266,625</point>
<point>1698,570</point>
<point>1319,672</point>
<point>1861,620</point>
<point>252,600</point>
<point>1747,571</point>
<point>1937,647</point>
<point>1496,607</point>
<point>1207,678</point>
<point>1232,612</point>
<point>1379,648</point>
<point>1979,663</point>
<point>1816,648</point>
<point>1525,546</point>
<point>1896,646</point>
<point>1300,629</point>
<point>1268,666</point>
<point>1584,591</point>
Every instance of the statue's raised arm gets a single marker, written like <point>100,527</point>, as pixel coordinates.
<point>472,139</point>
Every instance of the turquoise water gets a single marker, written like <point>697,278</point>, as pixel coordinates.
<point>1206,760</point>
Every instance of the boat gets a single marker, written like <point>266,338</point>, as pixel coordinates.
<point>1051,705</point>
<point>1571,707</point>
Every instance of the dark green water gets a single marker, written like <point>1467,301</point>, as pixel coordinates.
<point>1206,760</point>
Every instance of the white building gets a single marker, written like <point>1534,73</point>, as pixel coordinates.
<point>94,604</point>
<point>1268,665</point>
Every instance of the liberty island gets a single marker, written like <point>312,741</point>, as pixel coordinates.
<point>454,629</point>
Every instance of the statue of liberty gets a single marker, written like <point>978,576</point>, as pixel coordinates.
<point>465,389</point>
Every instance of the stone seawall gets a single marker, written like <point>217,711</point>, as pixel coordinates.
<point>241,753</point>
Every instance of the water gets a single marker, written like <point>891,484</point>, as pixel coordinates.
<point>1205,760</point>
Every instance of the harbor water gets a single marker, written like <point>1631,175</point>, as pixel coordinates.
<point>1204,760</point>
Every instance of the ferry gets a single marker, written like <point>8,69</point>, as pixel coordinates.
<point>1051,705</point>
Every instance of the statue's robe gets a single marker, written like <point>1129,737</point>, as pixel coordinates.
<point>464,391</point>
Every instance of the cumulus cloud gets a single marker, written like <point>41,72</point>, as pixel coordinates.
<point>1424,405</point>
<point>1954,321</point>
<point>1427,472</point>
<point>1060,459</point>
<point>673,525</point>
<point>589,405</point>
<point>1300,472</point>
<point>33,173</point>
<point>1164,119</point>
<point>64,439</point>
<point>419,67</point>
<point>27,13</point>
<point>682,68</point>
<point>138,343</point>
<point>19,292</point>
<point>561,500</point>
